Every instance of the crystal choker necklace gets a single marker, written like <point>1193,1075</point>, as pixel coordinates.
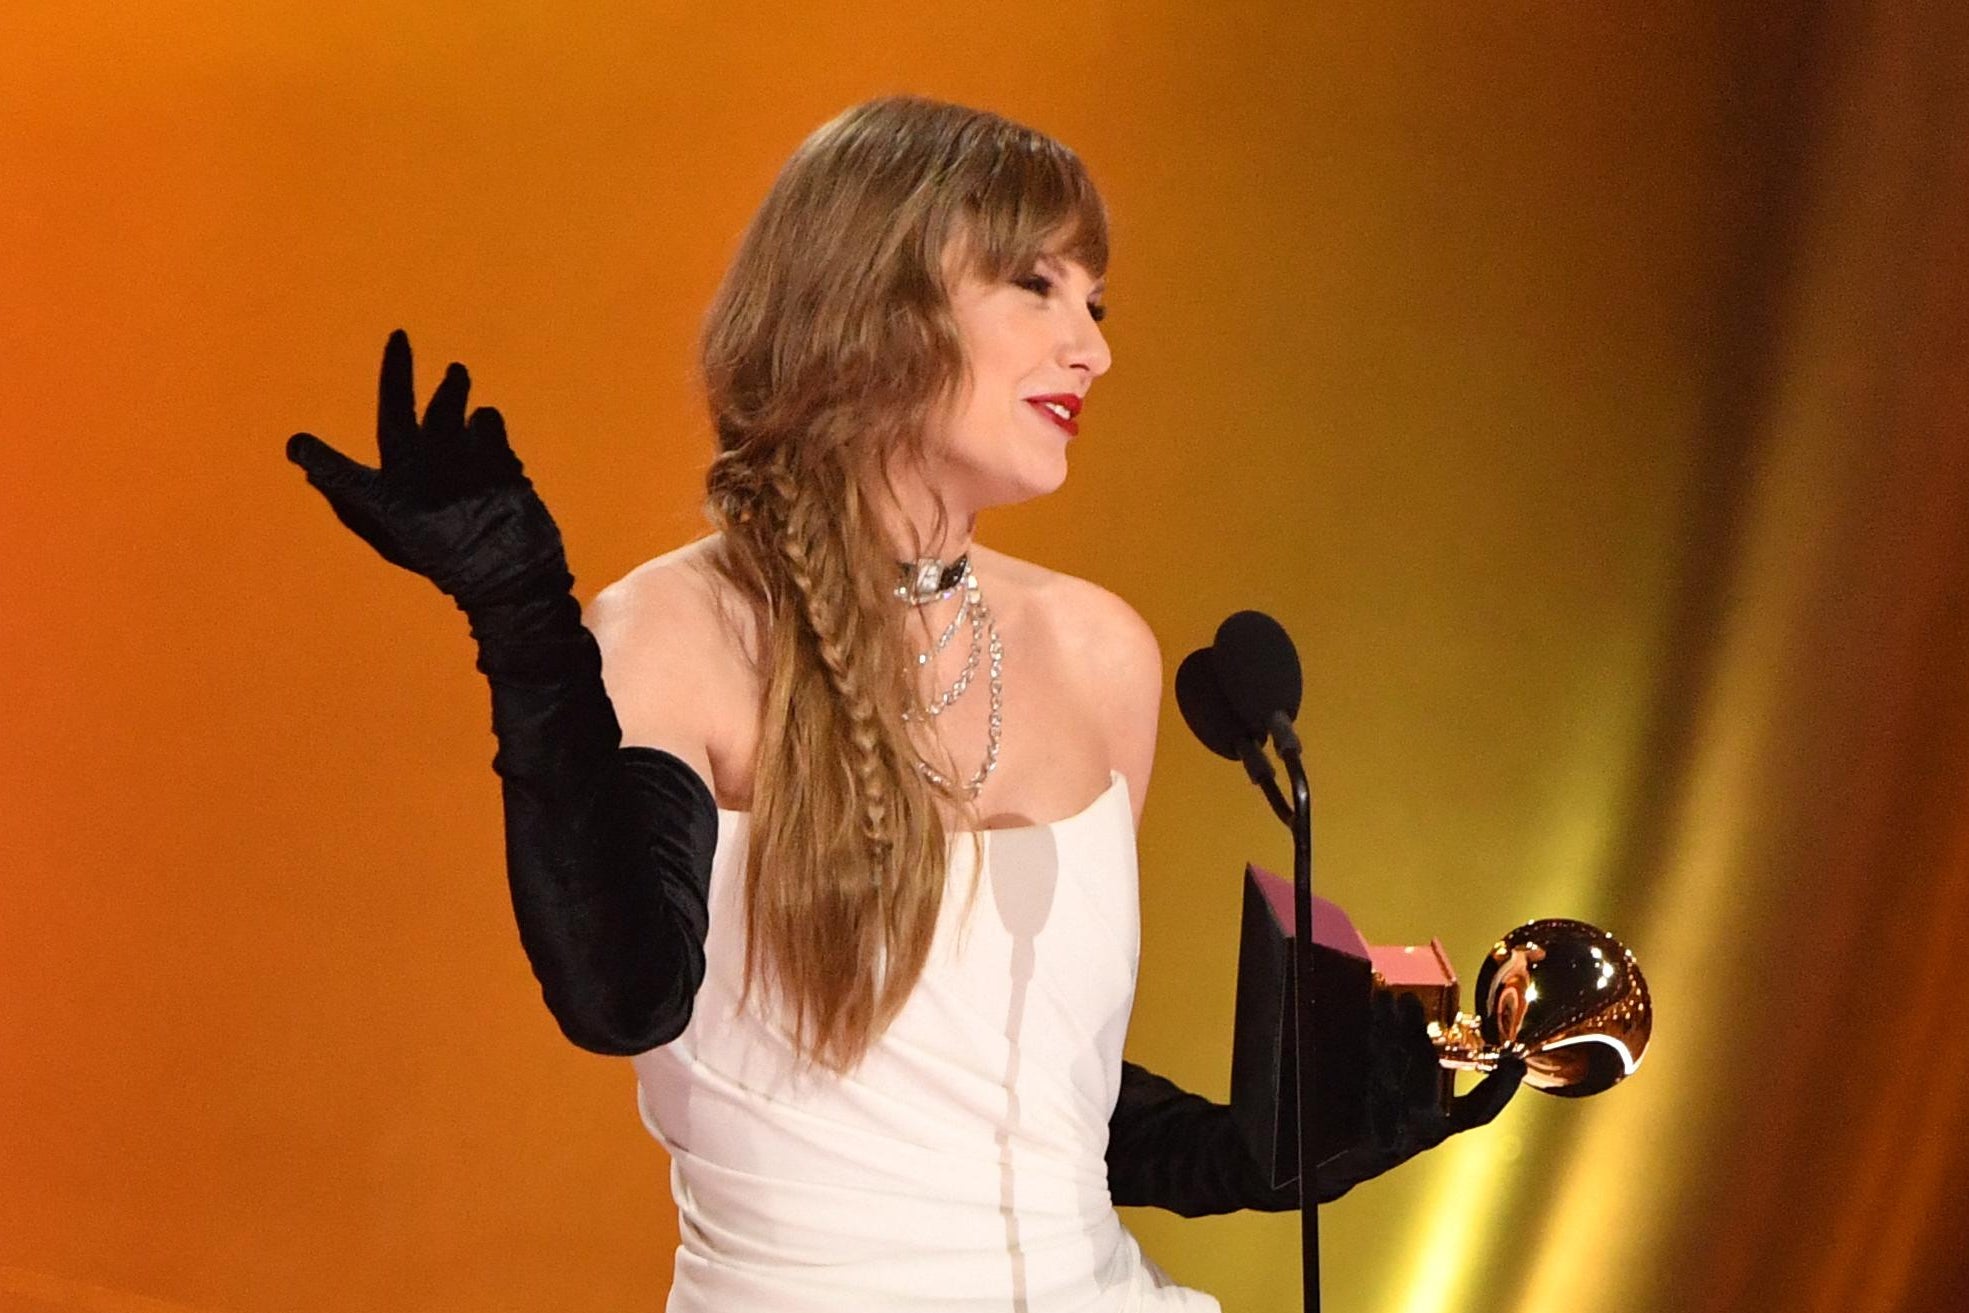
<point>929,580</point>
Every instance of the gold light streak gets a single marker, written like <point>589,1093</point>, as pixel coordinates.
<point>1606,1199</point>
<point>1448,1249</point>
<point>1606,1205</point>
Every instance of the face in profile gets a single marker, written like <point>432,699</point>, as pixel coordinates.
<point>1033,346</point>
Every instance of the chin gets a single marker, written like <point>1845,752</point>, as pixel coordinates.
<point>1053,484</point>
<point>993,480</point>
<point>1029,484</point>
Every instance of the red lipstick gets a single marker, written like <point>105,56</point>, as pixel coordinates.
<point>1067,401</point>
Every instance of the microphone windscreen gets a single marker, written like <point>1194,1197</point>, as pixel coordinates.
<point>1204,707</point>
<point>1257,668</point>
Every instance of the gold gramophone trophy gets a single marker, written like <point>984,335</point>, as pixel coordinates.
<point>1564,996</point>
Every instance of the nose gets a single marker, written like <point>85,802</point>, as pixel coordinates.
<point>1084,349</point>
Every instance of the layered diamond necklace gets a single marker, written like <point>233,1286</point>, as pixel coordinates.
<point>925,583</point>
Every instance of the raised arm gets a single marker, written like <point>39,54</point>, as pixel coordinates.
<point>608,848</point>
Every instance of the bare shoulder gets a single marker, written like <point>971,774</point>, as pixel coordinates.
<point>674,649</point>
<point>1093,625</point>
<point>1106,652</point>
<point>676,586</point>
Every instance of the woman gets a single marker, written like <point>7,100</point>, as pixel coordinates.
<point>827,819</point>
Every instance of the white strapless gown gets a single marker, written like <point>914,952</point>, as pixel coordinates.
<point>960,1166</point>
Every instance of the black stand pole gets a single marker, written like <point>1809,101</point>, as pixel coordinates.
<point>1287,741</point>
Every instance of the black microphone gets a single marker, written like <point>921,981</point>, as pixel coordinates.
<point>1200,697</point>
<point>1205,709</point>
<point>1258,670</point>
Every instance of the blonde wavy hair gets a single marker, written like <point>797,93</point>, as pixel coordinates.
<point>827,352</point>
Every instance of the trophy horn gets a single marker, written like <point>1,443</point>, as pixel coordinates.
<point>1566,997</point>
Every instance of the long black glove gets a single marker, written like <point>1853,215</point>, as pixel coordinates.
<point>608,848</point>
<point>1168,1148</point>
<point>1403,1115</point>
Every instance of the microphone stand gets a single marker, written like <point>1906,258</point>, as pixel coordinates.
<point>1251,751</point>
<point>1287,741</point>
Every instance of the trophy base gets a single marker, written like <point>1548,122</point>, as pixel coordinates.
<point>1424,971</point>
<point>1264,1048</point>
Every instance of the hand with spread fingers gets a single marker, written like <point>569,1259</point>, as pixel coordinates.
<point>608,847</point>
<point>450,501</point>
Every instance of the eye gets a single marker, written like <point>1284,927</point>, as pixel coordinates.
<point>1041,285</point>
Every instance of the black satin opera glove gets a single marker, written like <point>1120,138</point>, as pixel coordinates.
<point>608,848</point>
<point>1404,1112</point>
<point>1170,1149</point>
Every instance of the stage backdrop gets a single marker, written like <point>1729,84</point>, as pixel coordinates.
<point>1583,386</point>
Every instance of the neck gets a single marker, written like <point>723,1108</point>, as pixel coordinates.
<point>910,524</point>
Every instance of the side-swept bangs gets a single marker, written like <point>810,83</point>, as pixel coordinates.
<point>1030,197</point>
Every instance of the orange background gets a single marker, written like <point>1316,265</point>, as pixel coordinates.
<point>1581,384</point>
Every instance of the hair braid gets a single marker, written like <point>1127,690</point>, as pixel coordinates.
<point>836,629</point>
